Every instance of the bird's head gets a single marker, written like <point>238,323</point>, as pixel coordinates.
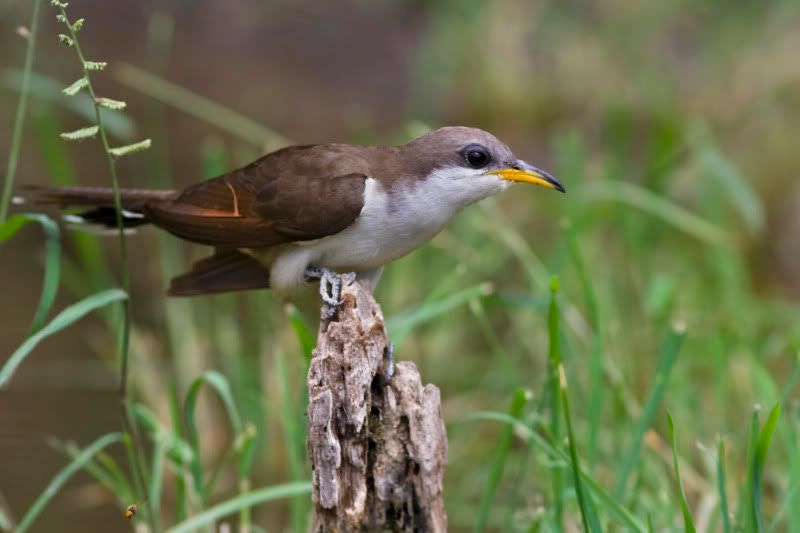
<point>471,164</point>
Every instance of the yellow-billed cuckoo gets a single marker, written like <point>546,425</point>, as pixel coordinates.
<point>314,210</point>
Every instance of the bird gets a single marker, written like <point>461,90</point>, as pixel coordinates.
<point>335,212</point>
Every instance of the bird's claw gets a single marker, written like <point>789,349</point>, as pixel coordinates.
<point>330,289</point>
<point>330,285</point>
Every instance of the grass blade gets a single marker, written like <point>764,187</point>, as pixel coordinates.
<point>588,513</point>
<point>183,476</point>
<point>659,208</point>
<point>19,120</point>
<point>755,478</point>
<point>401,325</point>
<point>5,521</point>
<point>556,454</point>
<point>234,505</point>
<point>746,493</point>
<point>791,493</point>
<point>166,443</point>
<point>52,270</point>
<point>160,450</point>
<point>791,498</point>
<point>111,478</point>
<point>137,456</point>
<point>518,402</point>
<point>63,476</point>
<point>66,317</point>
<point>688,523</point>
<point>220,385</point>
<point>199,107</point>
<point>597,359</point>
<point>490,335</point>
<point>729,178</point>
<point>293,440</point>
<point>723,494</point>
<point>294,434</point>
<point>177,448</point>
<point>553,364</point>
<point>303,332</point>
<point>669,353</point>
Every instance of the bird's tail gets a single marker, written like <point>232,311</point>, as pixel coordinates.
<point>100,210</point>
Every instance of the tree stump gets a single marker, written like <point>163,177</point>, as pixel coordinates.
<point>378,447</point>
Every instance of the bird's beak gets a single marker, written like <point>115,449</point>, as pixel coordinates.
<point>525,173</point>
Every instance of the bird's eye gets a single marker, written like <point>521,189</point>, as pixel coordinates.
<point>476,156</point>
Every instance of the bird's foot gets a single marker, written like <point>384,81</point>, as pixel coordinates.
<point>389,355</point>
<point>330,286</point>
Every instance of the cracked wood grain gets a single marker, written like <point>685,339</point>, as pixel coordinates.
<point>378,448</point>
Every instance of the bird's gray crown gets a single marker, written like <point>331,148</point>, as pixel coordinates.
<point>451,146</point>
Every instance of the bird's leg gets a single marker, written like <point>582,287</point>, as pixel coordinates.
<point>330,284</point>
<point>330,289</point>
<point>389,360</point>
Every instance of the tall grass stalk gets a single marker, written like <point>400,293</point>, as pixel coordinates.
<point>724,510</point>
<point>688,521</point>
<point>553,364</point>
<point>65,318</point>
<point>754,512</point>
<point>518,402</point>
<point>589,518</point>
<point>112,169</point>
<point>63,476</point>
<point>249,499</point>
<point>292,441</point>
<point>136,456</point>
<point>200,107</point>
<point>669,354</point>
<point>19,120</point>
<point>556,454</point>
<point>597,356</point>
<point>52,269</point>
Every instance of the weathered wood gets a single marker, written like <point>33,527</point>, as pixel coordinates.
<point>378,447</point>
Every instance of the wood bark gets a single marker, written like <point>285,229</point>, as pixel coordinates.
<point>377,446</point>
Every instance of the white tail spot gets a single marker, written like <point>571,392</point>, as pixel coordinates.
<point>131,214</point>
<point>74,219</point>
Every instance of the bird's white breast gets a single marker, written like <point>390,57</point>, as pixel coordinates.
<point>391,224</point>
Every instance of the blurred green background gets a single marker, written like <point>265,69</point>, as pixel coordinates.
<point>673,125</point>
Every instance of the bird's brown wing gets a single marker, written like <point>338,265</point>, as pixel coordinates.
<point>264,204</point>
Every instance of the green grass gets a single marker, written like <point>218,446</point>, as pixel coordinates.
<point>669,353</point>
<point>554,365</point>
<point>556,396</point>
<point>52,269</point>
<point>724,507</point>
<point>19,120</point>
<point>688,521</point>
<point>518,401</point>
<point>58,481</point>
<point>62,320</point>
